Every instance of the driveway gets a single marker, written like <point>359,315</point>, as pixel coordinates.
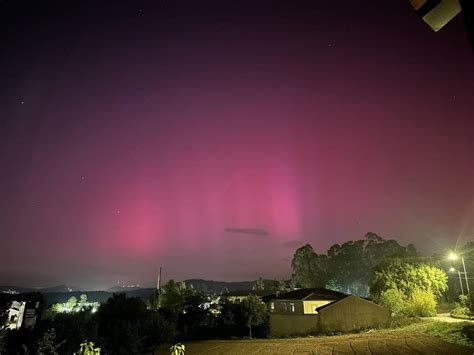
<point>446,317</point>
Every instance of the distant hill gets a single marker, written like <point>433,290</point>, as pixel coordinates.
<point>60,288</point>
<point>96,296</point>
<point>61,293</point>
<point>15,289</point>
<point>123,289</point>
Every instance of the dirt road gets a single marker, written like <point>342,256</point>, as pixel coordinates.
<point>367,343</point>
<point>446,317</point>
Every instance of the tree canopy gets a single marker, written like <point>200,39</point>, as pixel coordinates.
<point>408,277</point>
<point>408,288</point>
<point>347,267</point>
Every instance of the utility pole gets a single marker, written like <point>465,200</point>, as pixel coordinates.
<point>465,276</point>
<point>158,281</point>
<point>460,281</point>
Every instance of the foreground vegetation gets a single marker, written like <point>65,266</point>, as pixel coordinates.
<point>393,275</point>
<point>461,333</point>
<point>409,336</point>
<point>125,325</point>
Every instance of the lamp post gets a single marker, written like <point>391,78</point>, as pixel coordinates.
<point>460,279</point>
<point>454,257</point>
<point>465,276</point>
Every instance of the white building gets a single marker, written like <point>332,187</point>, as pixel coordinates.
<point>15,315</point>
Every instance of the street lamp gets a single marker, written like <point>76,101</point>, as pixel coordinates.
<point>452,256</point>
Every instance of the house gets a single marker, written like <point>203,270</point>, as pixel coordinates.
<point>15,315</point>
<point>21,314</point>
<point>320,310</point>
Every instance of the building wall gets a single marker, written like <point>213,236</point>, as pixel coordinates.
<point>309,306</point>
<point>352,313</point>
<point>285,307</point>
<point>15,315</point>
<point>291,324</point>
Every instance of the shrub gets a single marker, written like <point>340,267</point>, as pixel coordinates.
<point>394,299</point>
<point>461,308</point>
<point>421,303</point>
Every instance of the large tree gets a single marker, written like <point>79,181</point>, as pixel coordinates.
<point>309,269</point>
<point>347,267</point>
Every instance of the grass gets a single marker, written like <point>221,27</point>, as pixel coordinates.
<point>458,333</point>
<point>461,333</point>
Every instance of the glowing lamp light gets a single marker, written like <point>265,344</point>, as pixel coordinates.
<point>452,256</point>
<point>451,269</point>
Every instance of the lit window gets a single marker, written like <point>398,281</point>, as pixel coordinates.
<point>292,307</point>
<point>272,306</point>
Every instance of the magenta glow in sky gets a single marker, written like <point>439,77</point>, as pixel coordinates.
<point>134,136</point>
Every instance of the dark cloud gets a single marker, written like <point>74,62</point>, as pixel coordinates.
<point>253,231</point>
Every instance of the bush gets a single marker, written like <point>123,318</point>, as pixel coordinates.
<point>421,304</point>
<point>394,299</point>
<point>461,308</point>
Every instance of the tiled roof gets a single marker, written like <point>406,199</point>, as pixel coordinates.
<point>311,294</point>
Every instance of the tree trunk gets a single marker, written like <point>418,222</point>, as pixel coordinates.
<point>250,330</point>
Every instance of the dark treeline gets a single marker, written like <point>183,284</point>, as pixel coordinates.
<point>128,325</point>
<point>347,267</point>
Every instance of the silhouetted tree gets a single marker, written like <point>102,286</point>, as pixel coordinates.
<point>120,324</point>
<point>259,285</point>
<point>309,269</point>
<point>49,344</point>
<point>253,312</point>
<point>346,267</point>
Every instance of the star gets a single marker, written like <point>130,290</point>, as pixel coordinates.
<point>118,212</point>
<point>22,102</point>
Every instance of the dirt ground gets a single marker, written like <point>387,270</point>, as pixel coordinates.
<point>377,343</point>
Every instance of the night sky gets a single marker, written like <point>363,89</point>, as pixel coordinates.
<point>213,138</point>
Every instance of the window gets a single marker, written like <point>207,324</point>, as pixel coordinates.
<point>292,307</point>
<point>284,306</point>
<point>272,306</point>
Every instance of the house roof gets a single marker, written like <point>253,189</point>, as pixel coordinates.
<point>311,294</point>
<point>347,298</point>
